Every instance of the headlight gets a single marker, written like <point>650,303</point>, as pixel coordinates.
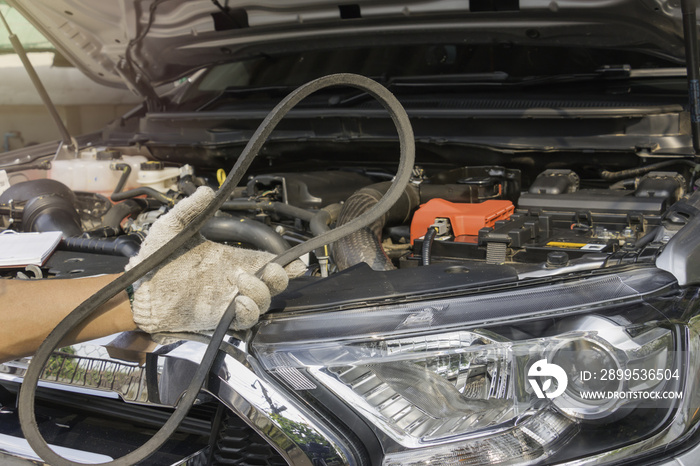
<point>554,365</point>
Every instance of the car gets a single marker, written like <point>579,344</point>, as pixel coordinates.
<point>523,291</point>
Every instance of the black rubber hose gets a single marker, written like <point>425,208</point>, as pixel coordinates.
<point>45,165</point>
<point>648,238</point>
<point>84,310</point>
<point>632,172</point>
<point>148,191</point>
<point>187,185</point>
<point>365,245</point>
<point>118,212</point>
<point>279,208</point>
<point>244,230</point>
<point>126,171</point>
<point>321,221</point>
<point>427,249</point>
<point>125,245</point>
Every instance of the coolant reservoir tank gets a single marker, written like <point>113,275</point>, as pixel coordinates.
<point>465,218</point>
<point>94,171</point>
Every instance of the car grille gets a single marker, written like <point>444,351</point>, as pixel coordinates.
<point>234,443</point>
<point>237,443</point>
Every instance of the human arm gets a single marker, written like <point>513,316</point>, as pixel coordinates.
<point>32,308</point>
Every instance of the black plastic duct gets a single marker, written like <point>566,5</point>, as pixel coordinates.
<point>48,206</point>
<point>244,230</point>
<point>125,245</point>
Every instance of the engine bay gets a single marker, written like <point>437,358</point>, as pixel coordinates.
<point>554,222</point>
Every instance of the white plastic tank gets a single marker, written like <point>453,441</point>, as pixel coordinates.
<point>95,171</point>
<point>159,177</point>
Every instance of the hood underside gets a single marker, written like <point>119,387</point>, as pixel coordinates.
<point>159,41</point>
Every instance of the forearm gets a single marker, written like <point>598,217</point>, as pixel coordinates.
<point>31,309</point>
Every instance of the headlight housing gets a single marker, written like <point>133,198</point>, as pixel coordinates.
<point>508,377</point>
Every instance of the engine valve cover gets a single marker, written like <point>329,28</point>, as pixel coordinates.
<point>465,218</point>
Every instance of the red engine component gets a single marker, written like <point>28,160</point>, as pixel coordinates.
<point>466,219</point>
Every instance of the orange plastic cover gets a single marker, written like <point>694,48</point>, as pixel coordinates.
<point>466,219</point>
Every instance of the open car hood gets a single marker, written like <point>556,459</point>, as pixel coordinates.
<point>113,44</point>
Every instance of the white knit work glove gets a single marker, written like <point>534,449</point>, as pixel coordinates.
<point>192,290</point>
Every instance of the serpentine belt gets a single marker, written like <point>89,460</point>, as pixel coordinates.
<point>83,311</point>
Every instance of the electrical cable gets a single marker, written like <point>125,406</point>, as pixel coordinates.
<point>140,35</point>
<point>131,70</point>
<point>608,175</point>
<point>84,310</point>
<point>427,249</point>
<point>235,22</point>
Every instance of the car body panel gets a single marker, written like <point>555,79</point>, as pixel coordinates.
<point>96,37</point>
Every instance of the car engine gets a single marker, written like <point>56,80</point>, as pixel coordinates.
<point>541,221</point>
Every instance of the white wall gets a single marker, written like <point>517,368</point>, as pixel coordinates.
<point>84,106</point>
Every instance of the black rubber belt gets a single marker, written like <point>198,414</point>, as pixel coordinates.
<point>79,314</point>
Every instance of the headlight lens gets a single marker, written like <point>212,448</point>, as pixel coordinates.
<point>511,393</point>
<point>425,391</point>
<point>534,438</point>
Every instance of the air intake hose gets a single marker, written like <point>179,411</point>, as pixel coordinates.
<point>48,206</point>
<point>365,245</point>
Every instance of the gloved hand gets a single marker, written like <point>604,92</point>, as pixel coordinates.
<point>191,291</point>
